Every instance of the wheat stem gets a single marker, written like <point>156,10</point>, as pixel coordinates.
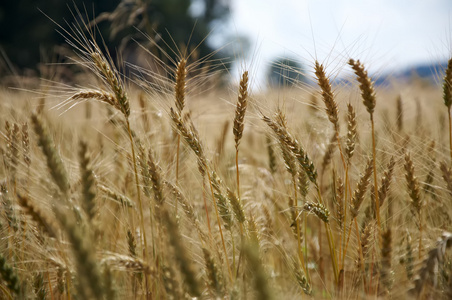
<point>219,228</point>
<point>377,198</point>
<point>360,249</point>
<point>137,184</point>
<point>297,223</point>
<point>369,100</point>
<point>450,131</point>
<point>330,238</point>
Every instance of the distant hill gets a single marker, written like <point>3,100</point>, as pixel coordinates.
<point>428,72</point>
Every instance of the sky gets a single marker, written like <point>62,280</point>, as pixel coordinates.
<point>386,35</point>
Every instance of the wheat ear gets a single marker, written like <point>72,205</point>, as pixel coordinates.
<point>399,116</point>
<point>318,209</point>
<point>447,176</point>
<point>447,97</point>
<point>105,70</point>
<point>386,181</point>
<point>431,264</point>
<point>179,94</point>
<point>386,257</point>
<point>262,288</point>
<point>188,210</point>
<point>327,95</point>
<point>53,159</point>
<point>291,166</point>
<point>308,166</point>
<point>116,197</point>
<point>415,194</point>
<point>214,276</point>
<point>99,95</point>
<point>156,179</point>
<point>88,182</point>
<point>351,132</point>
<point>111,76</point>
<point>12,146</point>
<point>239,121</point>
<point>26,144</point>
<point>44,222</point>
<point>361,187</point>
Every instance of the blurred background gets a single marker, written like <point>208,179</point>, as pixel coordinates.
<point>394,38</point>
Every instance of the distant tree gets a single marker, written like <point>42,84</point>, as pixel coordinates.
<point>285,72</point>
<point>171,24</point>
<point>26,32</point>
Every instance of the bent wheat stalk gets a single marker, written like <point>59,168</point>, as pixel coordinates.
<point>190,136</point>
<point>115,96</point>
<point>307,165</point>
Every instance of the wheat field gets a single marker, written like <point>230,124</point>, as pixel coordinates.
<point>167,185</point>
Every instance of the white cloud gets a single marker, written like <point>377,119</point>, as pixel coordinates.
<point>387,33</point>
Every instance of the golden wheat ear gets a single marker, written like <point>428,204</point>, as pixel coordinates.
<point>54,161</point>
<point>239,121</point>
<point>327,95</point>
<point>365,85</point>
<point>447,97</point>
<point>417,201</point>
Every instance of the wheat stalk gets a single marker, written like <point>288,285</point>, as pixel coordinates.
<point>447,97</point>
<point>88,273</point>
<point>369,99</point>
<point>179,94</point>
<point>239,119</point>
<point>88,182</point>
<point>111,76</point>
<point>307,165</point>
